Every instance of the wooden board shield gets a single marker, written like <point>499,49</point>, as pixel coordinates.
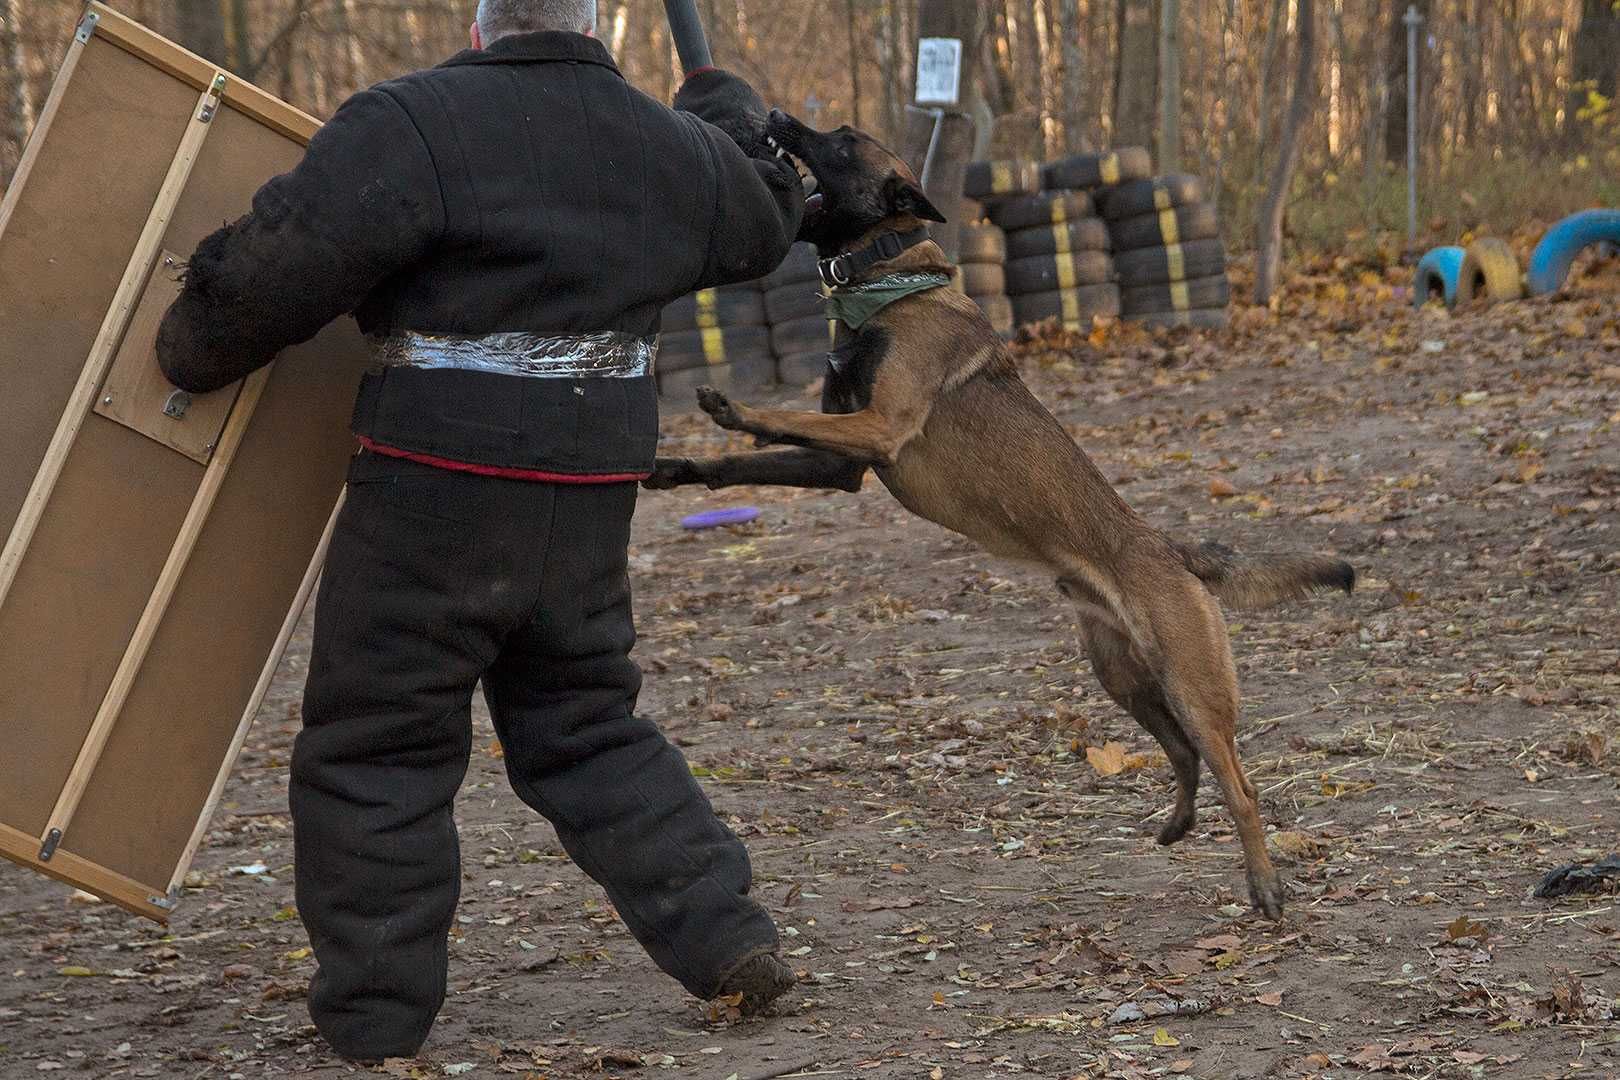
<point>158,548</point>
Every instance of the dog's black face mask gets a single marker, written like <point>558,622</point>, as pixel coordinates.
<point>854,184</point>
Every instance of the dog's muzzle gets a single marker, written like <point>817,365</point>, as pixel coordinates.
<point>605,355</point>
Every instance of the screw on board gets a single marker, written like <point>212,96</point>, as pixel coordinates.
<point>48,848</point>
<point>176,405</point>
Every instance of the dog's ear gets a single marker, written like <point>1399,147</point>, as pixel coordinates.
<point>905,197</point>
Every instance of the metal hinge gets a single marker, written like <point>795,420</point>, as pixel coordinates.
<point>48,848</point>
<point>87,26</point>
<point>167,903</point>
<point>210,106</point>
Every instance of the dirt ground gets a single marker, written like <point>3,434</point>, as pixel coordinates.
<point>905,734</point>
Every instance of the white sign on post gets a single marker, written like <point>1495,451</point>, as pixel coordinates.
<point>939,71</point>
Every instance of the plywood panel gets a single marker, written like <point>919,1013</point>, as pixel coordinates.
<point>66,245</point>
<point>115,518</point>
<point>182,714</point>
<point>78,594</point>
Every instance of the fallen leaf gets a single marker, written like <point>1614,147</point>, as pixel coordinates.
<point>1162,1037</point>
<point>1273,999</point>
<point>74,970</point>
<point>1220,489</point>
<point>1296,844</point>
<point>1461,927</point>
<point>1108,760</point>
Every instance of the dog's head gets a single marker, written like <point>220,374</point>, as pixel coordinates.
<point>857,186</point>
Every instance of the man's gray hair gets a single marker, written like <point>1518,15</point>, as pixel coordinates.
<point>499,18</point>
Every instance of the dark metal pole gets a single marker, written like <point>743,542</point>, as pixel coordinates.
<point>1413,19</point>
<point>687,30</point>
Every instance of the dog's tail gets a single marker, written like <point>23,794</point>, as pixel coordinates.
<point>1262,581</point>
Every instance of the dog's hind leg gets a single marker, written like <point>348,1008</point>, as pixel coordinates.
<point>1200,688</point>
<point>1130,683</point>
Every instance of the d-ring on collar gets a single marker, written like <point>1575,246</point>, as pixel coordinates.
<point>843,269</point>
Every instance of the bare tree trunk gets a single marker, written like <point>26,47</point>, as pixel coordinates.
<point>1268,71</point>
<point>1596,62</point>
<point>1395,119</point>
<point>892,65</point>
<point>1169,86</point>
<point>1135,101</point>
<point>1269,256</point>
<point>202,28</point>
<point>13,93</point>
<point>1075,139</point>
<point>964,20</point>
<point>854,66</point>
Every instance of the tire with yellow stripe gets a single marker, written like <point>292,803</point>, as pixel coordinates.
<point>999,310</point>
<point>1043,273</point>
<point>1074,308</point>
<point>1204,292</point>
<point>1098,170</point>
<point>712,347</point>
<point>1085,234</point>
<point>983,243</point>
<point>1178,262</point>
<point>800,265</point>
<point>802,369</point>
<point>1165,228</point>
<point>801,335</point>
<point>727,306</point>
<point>1150,196</point>
<point>1201,318</point>
<point>996,179</point>
<point>1489,270</point>
<point>800,300</point>
<point>746,373</point>
<point>1049,208</point>
<point>983,279</point>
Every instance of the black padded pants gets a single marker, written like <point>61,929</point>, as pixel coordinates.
<point>434,581</point>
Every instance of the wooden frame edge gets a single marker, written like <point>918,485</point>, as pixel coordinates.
<point>127,893</point>
<point>241,95</point>
<point>256,700</point>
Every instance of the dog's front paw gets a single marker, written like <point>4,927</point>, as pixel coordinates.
<point>719,408</point>
<point>673,473</point>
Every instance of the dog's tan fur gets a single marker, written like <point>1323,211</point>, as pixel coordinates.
<point>957,437</point>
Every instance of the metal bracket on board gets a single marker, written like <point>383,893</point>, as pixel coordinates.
<point>48,848</point>
<point>87,26</point>
<point>167,903</point>
<point>216,90</point>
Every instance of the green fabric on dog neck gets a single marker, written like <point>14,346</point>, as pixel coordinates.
<point>856,305</point>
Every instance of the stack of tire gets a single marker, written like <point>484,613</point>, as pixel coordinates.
<point>1058,263</point>
<point>795,308</point>
<point>1167,252</point>
<point>982,263</point>
<point>717,337</point>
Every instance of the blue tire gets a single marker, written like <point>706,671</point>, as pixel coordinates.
<point>1549,265</point>
<point>1437,275</point>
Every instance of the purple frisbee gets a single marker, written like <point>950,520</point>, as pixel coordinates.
<point>713,519</point>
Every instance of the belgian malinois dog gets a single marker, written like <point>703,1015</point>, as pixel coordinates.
<point>927,396</point>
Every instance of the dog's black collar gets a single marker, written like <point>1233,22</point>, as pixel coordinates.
<point>842,269</point>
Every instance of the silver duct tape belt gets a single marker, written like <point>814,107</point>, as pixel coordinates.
<point>605,355</point>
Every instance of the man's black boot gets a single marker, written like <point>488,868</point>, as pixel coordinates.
<point>760,980</point>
